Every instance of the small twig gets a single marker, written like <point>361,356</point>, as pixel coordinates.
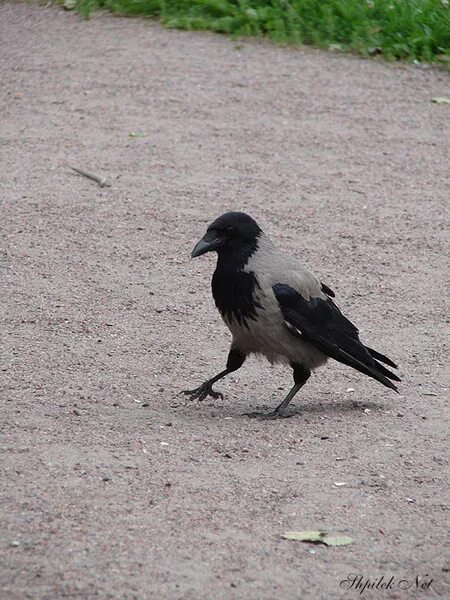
<point>102,182</point>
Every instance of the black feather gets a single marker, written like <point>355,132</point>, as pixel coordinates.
<point>386,372</point>
<point>232,287</point>
<point>233,295</point>
<point>322,324</point>
<point>381,357</point>
<point>328,291</point>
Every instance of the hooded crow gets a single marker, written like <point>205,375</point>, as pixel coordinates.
<point>276,308</point>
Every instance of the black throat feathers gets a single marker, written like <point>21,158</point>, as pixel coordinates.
<point>232,287</point>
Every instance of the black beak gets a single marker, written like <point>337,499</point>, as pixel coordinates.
<point>209,242</point>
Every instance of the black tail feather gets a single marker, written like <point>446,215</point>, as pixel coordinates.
<point>376,371</point>
<point>386,372</point>
<point>381,357</point>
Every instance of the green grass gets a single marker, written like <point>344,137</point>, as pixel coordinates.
<point>397,29</point>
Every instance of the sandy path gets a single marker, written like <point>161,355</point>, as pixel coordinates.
<point>344,162</point>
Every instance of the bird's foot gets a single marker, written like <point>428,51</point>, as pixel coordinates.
<point>273,414</point>
<point>202,392</point>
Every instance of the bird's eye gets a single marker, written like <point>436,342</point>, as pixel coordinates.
<point>229,229</point>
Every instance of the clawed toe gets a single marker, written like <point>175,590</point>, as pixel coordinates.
<point>197,394</point>
<point>202,392</point>
<point>192,393</point>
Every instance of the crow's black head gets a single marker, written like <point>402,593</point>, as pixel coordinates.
<point>232,231</point>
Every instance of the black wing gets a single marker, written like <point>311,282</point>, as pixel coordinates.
<point>322,324</point>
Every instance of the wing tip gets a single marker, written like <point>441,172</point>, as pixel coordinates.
<point>381,357</point>
<point>327,290</point>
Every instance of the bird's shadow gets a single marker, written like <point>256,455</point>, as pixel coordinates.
<point>311,408</point>
<point>319,408</point>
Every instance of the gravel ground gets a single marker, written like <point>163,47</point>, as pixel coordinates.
<point>113,485</point>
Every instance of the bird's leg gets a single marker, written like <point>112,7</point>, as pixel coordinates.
<point>301,376</point>
<point>205,389</point>
<point>235,360</point>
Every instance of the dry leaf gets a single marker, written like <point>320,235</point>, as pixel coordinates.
<point>317,537</point>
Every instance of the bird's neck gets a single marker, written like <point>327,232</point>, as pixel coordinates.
<point>231,260</point>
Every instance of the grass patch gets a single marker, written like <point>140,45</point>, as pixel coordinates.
<point>397,29</point>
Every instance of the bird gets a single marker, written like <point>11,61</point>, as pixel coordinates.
<point>276,308</point>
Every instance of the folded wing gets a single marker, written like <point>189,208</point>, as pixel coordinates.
<point>321,323</point>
